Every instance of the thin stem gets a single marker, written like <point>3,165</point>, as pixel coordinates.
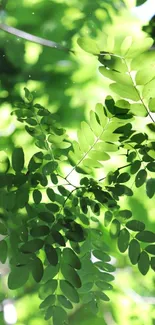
<point>32,38</point>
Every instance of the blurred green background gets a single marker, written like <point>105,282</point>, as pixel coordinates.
<point>68,85</point>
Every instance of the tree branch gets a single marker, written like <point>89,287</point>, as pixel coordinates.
<point>32,38</point>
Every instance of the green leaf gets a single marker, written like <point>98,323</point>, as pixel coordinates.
<point>122,178</point>
<point>32,246</point>
<point>39,231</point>
<point>134,251</point>
<point>88,45</point>
<point>18,277</point>
<point>48,301</point>
<point>37,269</point>
<point>28,95</point>
<point>150,187</point>
<point>140,177</point>
<point>135,166</point>
<point>71,258</point>
<point>3,251</point>
<point>52,207</point>
<point>123,240</point>
<point>62,190</point>
<point>37,196</point>
<point>105,266</point>
<point>18,160</point>
<point>143,263</point>
<point>135,225</point>
<point>101,296</point>
<point>115,76</point>
<point>101,255</point>
<point>64,302</point>
<point>89,135</point>
<point>150,249</point>
<point>58,238</point>
<point>35,161</point>
<point>59,316</point>
<point>69,291</point>
<point>146,236</point>
<point>125,91</point>
<point>115,228</point>
<point>152,104</point>
<point>70,275</point>
<point>51,254</point>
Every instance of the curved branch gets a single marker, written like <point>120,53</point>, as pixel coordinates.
<point>32,38</point>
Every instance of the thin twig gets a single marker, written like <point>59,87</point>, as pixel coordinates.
<point>32,38</point>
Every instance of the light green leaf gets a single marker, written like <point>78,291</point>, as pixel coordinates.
<point>134,251</point>
<point>149,90</point>
<point>145,75</point>
<point>83,142</point>
<point>28,95</point>
<point>18,277</point>
<point>143,263</point>
<point>125,91</point>
<point>152,105</point>
<point>126,44</point>
<point>98,155</point>
<point>89,135</point>
<point>88,45</point>
<point>95,126</point>
<point>121,78</point>
<point>101,114</point>
<point>138,110</point>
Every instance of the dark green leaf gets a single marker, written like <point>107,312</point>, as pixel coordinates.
<point>107,218</point>
<point>71,258</point>
<point>59,316</point>
<point>150,187</point>
<point>18,160</point>
<point>46,216</point>
<point>135,166</point>
<point>126,214</point>
<point>48,301</point>
<point>47,288</point>
<point>151,166</point>
<point>64,302</point>
<point>122,178</point>
<point>3,229</point>
<point>32,246</point>
<point>101,255</point>
<point>36,161</point>
<point>37,196</point>
<point>49,313</point>
<point>51,254</point>
<point>104,285</point>
<point>28,95</point>
<point>101,296</point>
<point>123,240</point>
<point>143,263</point>
<point>135,225</point>
<point>50,272</point>
<point>18,277</point>
<point>37,269</point>
<point>146,236</point>
<point>50,194</point>
<point>150,249</point>
<point>39,231</point>
<point>49,167</point>
<point>52,207</point>
<point>69,291</point>
<point>70,275</point>
<point>152,263</point>
<point>134,251</point>
<point>3,251</point>
<point>103,276</point>
<point>58,238</point>
<point>140,178</point>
